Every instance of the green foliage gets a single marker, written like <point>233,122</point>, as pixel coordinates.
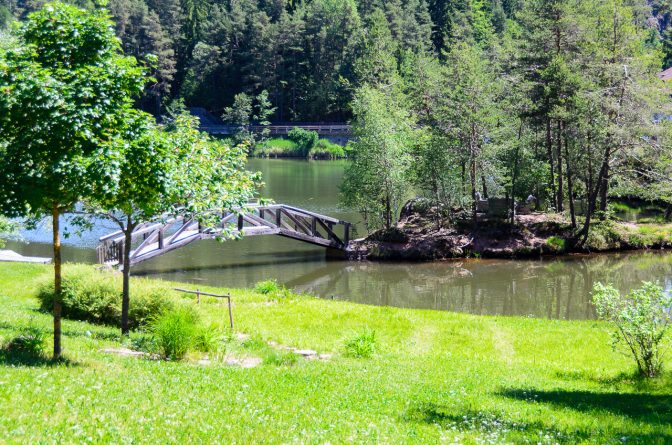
<point>31,341</point>
<point>304,139</point>
<point>361,345</point>
<point>7,229</point>
<point>267,287</point>
<point>177,331</point>
<point>67,82</point>
<point>642,319</point>
<point>324,149</point>
<point>94,296</point>
<point>385,139</point>
<point>556,243</point>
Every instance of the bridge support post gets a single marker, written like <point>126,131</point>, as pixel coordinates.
<point>335,254</point>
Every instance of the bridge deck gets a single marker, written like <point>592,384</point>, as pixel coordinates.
<point>153,239</point>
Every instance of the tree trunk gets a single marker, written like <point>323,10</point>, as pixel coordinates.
<point>484,186</point>
<point>126,289</point>
<point>55,214</point>
<point>570,186</point>
<point>472,177</point>
<point>549,151</point>
<point>604,191</point>
<point>592,195</point>
<point>561,196</point>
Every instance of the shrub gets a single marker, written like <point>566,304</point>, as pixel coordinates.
<point>361,345</point>
<point>30,341</point>
<point>556,243</point>
<point>209,339</point>
<point>94,296</point>
<point>277,147</point>
<point>304,139</point>
<point>325,149</point>
<point>267,287</point>
<point>176,331</point>
<point>642,319</point>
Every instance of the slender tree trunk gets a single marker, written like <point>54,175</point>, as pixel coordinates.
<point>58,286</point>
<point>549,151</point>
<point>484,185</point>
<point>561,196</point>
<point>126,289</point>
<point>472,176</point>
<point>570,185</point>
<point>388,213</point>
<point>592,198</point>
<point>604,191</point>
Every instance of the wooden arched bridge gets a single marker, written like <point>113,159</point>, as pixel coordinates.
<point>153,239</point>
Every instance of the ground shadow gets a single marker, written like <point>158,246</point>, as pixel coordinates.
<point>652,408</point>
<point>497,426</point>
<point>31,359</point>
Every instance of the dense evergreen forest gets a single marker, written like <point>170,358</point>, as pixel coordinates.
<point>456,100</point>
<point>305,53</point>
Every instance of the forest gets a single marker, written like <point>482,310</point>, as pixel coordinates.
<point>456,100</point>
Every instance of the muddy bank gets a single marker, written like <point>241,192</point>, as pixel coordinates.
<point>424,235</point>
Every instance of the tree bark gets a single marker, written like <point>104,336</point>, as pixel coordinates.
<point>604,191</point>
<point>570,186</point>
<point>484,186</point>
<point>126,288</point>
<point>58,286</point>
<point>561,196</point>
<point>472,175</point>
<point>549,151</point>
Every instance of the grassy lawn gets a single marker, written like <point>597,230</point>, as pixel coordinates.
<point>436,377</point>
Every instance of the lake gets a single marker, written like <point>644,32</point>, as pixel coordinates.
<point>549,288</point>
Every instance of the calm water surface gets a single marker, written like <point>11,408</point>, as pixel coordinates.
<point>557,288</point>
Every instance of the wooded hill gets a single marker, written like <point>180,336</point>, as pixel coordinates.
<point>303,52</point>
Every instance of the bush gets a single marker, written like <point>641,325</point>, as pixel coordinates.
<point>642,319</point>
<point>267,287</point>
<point>304,139</point>
<point>361,345</point>
<point>556,243</point>
<point>94,296</point>
<point>325,149</point>
<point>277,147</point>
<point>176,331</point>
<point>30,341</point>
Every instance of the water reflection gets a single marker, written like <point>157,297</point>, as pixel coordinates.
<point>557,289</point>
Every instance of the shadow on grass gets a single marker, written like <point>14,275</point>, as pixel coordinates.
<point>496,428</point>
<point>31,359</point>
<point>493,426</point>
<point>652,408</point>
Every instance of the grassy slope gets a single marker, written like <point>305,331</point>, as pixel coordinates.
<point>437,377</point>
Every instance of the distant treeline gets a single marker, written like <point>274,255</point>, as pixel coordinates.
<point>302,52</point>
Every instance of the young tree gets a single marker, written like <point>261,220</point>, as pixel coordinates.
<point>178,172</point>
<point>63,93</point>
<point>377,180</point>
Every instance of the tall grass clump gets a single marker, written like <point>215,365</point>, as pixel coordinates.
<point>30,341</point>
<point>95,296</point>
<point>325,149</point>
<point>641,319</point>
<point>361,344</point>
<point>267,287</point>
<point>175,332</point>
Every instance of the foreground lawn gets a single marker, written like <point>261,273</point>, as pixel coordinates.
<point>436,378</point>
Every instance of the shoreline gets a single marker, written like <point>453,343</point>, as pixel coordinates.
<point>420,237</point>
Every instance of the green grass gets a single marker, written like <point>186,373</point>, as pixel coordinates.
<point>435,377</point>
<point>325,149</point>
<point>279,148</point>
